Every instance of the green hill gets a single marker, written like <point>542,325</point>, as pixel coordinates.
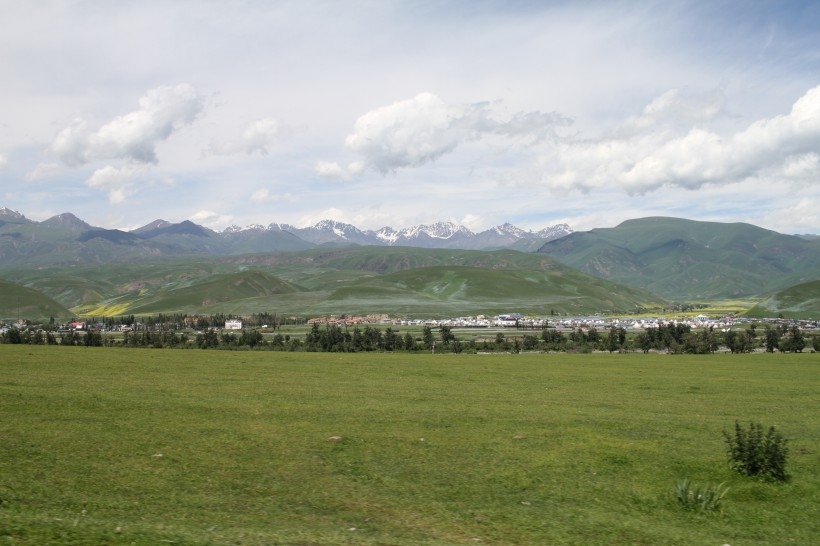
<point>685,259</point>
<point>19,302</point>
<point>801,301</point>
<point>456,290</point>
<point>208,293</point>
<point>394,280</point>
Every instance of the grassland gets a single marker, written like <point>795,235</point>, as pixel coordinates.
<point>116,446</point>
<point>399,281</point>
<point>802,301</point>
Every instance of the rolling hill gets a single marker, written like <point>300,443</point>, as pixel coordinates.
<point>684,259</point>
<point>406,281</point>
<point>20,302</point>
<point>800,301</point>
<point>168,268</point>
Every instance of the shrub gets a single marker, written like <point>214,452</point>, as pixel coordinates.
<point>753,453</point>
<point>706,499</point>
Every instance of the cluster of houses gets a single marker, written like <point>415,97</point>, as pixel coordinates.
<point>507,320</point>
<point>517,320</point>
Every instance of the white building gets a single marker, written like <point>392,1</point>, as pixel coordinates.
<point>233,324</point>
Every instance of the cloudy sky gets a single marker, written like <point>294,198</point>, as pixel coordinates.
<point>382,113</point>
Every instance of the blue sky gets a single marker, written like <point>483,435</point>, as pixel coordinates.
<point>400,113</point>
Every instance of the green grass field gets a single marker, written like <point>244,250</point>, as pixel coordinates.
<point>139,446</point>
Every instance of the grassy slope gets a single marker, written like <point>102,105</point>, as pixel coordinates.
<point>197,447</point>
<point>801,301</point>
<point>20,302</point>
<point>335,280</point>
<point>686,259</point>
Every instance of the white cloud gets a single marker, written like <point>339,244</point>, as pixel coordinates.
<point>678,106</point>
<point>263,195</point>
<point>119,183</point>
<point>802,166</point>
<point>258,136</point>
<point>43,170</point>
<point>801,217</point>
<point>212,220</point>
<point>135,135</point>
<point>4,161</point>
<point>647,160</point>
<point>413,132</point>
<point>330,170</point>
<point>472,221</point>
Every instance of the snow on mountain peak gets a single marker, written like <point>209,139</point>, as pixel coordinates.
<point>13,214</point>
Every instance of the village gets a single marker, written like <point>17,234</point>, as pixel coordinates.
<point>515,321</point>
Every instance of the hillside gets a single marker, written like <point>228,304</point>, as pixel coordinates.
<point>406,281</point>
<point>801,301</point>
<point>684,259</point>
<point>20,302</point>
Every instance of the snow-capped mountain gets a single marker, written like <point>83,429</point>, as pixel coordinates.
<point>21,238</point>
<point>332,232</point>
<point>153,226</point>
<point>437,235</point>
<point>9,215</point>
<point>67,221</point>
<point>425,235</point>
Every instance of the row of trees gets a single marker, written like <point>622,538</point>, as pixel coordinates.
<point>671,337</point>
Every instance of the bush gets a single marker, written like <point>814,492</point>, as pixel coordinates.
<point>707,499</point>
<point>753,453</point>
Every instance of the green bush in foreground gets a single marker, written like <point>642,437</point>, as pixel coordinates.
<point>753,453</point>
<point>706,499</point>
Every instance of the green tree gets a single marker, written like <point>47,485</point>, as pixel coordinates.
<point>771,339</point>
<point>792,341</point>
<point>615,339</point>
<point>530,342</point>
<point>392,340</point>
<point>644,342</point>
<point>446,333</point>
<point>409,342</point>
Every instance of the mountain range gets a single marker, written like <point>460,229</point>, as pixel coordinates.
<point>66,264</point>
<point>687,259</point>
<point>23,240</point>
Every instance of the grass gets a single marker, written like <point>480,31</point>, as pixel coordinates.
<point>401,281</point>
<point>117,446</point>
<point>800,301</point>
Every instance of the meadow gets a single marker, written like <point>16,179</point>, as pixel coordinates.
<point>141,446</point>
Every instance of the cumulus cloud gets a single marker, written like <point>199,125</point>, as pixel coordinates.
<point>258,137</point>
<point>413,132</point>
<point>43,170</point>
<point>212,220</point>
<point>119,183</point>
<point>263,195</point>
<point>135,135</point>
<point>676,107</point>
<point>647,160</point>
<point>330,170</point>
<point>801,216</point>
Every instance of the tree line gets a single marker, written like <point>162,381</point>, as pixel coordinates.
<point>669,337</point>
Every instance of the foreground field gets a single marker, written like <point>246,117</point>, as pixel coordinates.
<point>117,446</point>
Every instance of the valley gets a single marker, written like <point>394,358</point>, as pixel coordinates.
<point>64,267</point>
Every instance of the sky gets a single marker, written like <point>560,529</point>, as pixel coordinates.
<point>382,113</point>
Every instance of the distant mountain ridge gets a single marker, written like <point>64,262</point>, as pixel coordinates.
<point>78,241</point>
<point>687,259</point>
<point>437,235</point>
<point>439,267</point>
